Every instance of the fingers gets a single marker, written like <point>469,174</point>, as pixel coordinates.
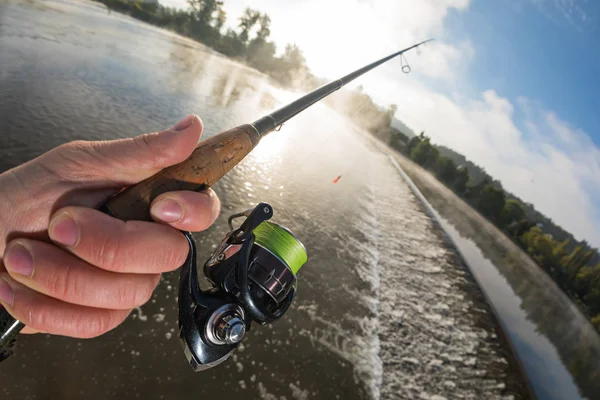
<point>186,210</point>
<point>114,245</point>
<point>127,161</point>
<point>54,272</point>
<point>45,314</point>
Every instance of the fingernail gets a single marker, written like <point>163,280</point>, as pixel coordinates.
<point>6,292</point>
<point>216,203</point>
<point>19,260</point>
<point>208,192</point>
<point>64,230</point>
<point>184,123</point>
<point>167,210</point>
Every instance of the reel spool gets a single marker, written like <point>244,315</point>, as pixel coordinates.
<point>253,274</point>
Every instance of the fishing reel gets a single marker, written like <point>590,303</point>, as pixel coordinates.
<point>253,277</point>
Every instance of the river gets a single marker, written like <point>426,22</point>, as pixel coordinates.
<point>386,308</point>
<point>559,348</point>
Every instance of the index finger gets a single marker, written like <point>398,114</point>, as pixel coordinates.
<point>115,245</point>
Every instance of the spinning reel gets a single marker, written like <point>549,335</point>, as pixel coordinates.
<point>253,274</point>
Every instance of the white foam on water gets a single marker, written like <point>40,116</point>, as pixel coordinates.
<point>299,394</point>
<point>265,395</point>
<point>360,349</point>
<point>159,317</point>
<point>140,314</point>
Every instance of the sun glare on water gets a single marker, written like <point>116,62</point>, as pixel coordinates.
<point>270,146</point>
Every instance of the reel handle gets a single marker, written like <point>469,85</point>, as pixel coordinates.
<point>209,162</point>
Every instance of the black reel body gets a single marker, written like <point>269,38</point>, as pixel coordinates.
<point>250,283</point>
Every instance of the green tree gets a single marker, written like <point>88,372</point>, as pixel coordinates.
<point>539,246</point>
<point>596,322</point>
<point>219,20</point>
<point>491,202</point>
<point>293,57</point>
<point>291,67</point>
<point>588,287</point>
<point>265,27</point>
<point>247,21</point>
<point>204,11</point>
<point>205,20</point>
<point>460,181</point>
<point>261,54</point>
<point>513,212</point>
<point>398,140</point>
<point>578,258</point>
<point>561,250</point>
<point>445,170</point>
<point>413,142</point>
<point>425,154</point>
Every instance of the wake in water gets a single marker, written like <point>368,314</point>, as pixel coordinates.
<point>359,346</point>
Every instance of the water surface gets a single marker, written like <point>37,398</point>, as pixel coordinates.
<point>559,348</point>
<point>385,308</point>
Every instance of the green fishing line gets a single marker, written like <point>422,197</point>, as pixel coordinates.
<point>282,243</point>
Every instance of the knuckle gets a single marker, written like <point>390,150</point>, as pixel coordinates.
<point>146,290</point>
<point>174,257</point>
<point>60,284</point>
<point>74,146</point>
<point>143,294</point>
<point>89,328</point>
<point>86,323</point>
<point>80,159</point>
<point>108,253</point>
<point>145,144</point>
<point>36,317</point>
<point>72,151</point>
<point>80,145</point>
<point>138,294</point>
<point>127,296</point>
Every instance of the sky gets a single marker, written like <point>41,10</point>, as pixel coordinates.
<point>511,84</point>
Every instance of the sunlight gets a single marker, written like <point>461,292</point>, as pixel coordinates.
<point>270,147</point>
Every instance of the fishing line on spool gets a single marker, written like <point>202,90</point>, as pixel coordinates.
<point>282,243</point>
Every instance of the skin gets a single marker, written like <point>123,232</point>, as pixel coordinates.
<point>68,269</point>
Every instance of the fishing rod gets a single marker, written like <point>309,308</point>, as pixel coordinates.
<point>253,269</point>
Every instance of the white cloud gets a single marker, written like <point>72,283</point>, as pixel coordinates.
<point>539,157</point>
<point>337,36</point>
<point>543,159</point>
<point>341,35</point>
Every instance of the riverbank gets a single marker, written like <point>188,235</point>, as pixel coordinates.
<point>537,316</point>
<point>439,325</point>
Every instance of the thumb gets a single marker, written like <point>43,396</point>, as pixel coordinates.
<point>128,161</point>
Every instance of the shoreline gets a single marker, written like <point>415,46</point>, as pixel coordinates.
<point>542,324</point>
<point>459,259</point>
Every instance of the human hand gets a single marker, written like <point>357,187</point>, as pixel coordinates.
<point>71,270</point>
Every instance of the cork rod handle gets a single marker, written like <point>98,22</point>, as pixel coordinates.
<point>209,162</point>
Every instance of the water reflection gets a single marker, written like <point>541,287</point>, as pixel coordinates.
<point>557,345</point>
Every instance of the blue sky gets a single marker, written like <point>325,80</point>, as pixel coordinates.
<point>511,84</point>
<point>538,50</point>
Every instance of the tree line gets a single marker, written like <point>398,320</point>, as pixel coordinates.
<point>250,43</point>
<point>204,21</point>
<point>571,264</point>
